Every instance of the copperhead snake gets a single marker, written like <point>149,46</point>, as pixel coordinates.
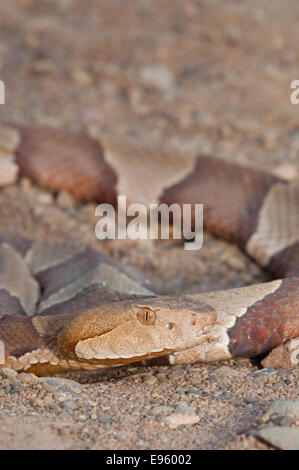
<point>68,307</point>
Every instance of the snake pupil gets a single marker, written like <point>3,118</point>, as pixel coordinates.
<point>146,316</point>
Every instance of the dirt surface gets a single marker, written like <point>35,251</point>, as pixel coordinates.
<point>206,76</point>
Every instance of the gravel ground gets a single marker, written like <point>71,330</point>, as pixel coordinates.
<point>206,76</point>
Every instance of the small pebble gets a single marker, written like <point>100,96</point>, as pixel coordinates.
<point>175,420</point>
<point>65,199</point>
<point>8,172</point>
<point>8,373</point>
<point>183,407</point>
<point>157,76</point>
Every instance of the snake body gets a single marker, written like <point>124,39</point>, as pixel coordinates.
<point>69,307</point>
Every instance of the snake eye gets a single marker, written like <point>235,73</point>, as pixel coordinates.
<point>146,316</point>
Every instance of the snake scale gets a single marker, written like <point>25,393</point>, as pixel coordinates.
<point>68,307</point>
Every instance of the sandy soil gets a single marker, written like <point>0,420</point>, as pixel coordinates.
<point>207,76</point>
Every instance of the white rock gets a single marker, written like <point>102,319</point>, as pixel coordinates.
<point>157,76</point>
<point>177,419</point>
<point>286,171</point>
<point>8,171</point>
<point>281,437</point>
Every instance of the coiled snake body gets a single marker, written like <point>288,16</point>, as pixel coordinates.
<point>67,307</point>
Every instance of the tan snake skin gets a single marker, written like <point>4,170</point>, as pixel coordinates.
<point>67,307</point>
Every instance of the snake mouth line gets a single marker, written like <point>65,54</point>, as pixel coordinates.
<point>117,359</point>
<point>130,359</point>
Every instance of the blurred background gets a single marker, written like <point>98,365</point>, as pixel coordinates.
<point>207,75</point>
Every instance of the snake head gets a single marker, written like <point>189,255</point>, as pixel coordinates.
<point>129,331</point>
